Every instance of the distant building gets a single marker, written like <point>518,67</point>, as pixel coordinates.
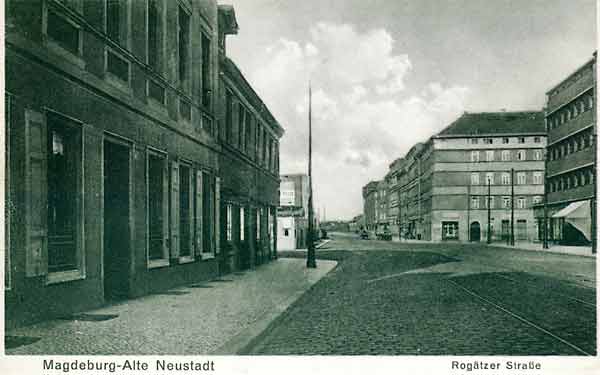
<point>292,213</point>
<point>369,194</point>
<point>571,163</point>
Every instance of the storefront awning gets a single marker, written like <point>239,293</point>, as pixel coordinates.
<point>574,210</point>
<point>578,215</point>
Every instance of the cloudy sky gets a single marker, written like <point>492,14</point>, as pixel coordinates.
<point>389,73</point>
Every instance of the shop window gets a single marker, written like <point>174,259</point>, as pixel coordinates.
<point>449,230</point>
<point>157,203</point>
<point>186,219</point>
<point>242,224</point>
<point>228,224</point>
<point>64,195</point>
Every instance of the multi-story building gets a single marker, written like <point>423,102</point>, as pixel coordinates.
<point>292,213</point>
<point>369,194</point>
<point>482,175</point>
<point>249,164</point>
<point>381,206</point>
<point>571,158</point>
<point>410,210</point>
<point>392,179</point>
<point>113,178</point>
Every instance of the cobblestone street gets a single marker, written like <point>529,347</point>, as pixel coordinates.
<point>440,299</point>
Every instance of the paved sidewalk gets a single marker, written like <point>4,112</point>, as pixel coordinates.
<point>218,317</point>
<point>557,249</point>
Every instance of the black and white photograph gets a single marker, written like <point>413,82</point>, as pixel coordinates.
<point>251,186</point>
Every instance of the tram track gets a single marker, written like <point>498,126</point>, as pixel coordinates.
<point>520,317</point>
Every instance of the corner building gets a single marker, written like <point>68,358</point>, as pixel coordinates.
<point>571,154</point>
<point>473,165</point>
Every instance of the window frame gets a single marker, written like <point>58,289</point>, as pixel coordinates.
<point>185,81</point>
<point>475,156</point>
<point>80,252</point>
<point>191,211</point>
<point>164,261</point>
<point>54,45</point>
<point>505,155</point>
<point>161,33</point>
<point>521,178</point>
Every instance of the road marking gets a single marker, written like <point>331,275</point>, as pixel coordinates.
<point>518,317</point>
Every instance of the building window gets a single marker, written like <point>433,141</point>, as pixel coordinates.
<point>521,202</point>
<point>185,110</point>
<point>184,44</point>
<point>537,178</point>
<point>521,139</point>
<point>505,178</point>
<point>474,141</point>
<point>521,155</point>
<point>118,66</point>
<point>258,214</point>
<point>505,202</point>
<point>241,122</point>
<point>590,101</point>
<point>228,115</point>
<point>474,156</point>
<point>64,152</point>
<point>209,212</point>
<point>248,132</point>
<point>242,224</point>
<point>64,32</point>
<point>521,180</point>
<point>228,229</point>
<point>505,155</point>
<point>505,140</point>
<point>186,219</point>
<point>537,140</point>
<point>155,33</point>
<point>474,202</point>
<point>156,92</point>
<point>489,178</point>
<point>489,155</point>
<point>537,155</point>
<point>537,199</point>
<point>489,201</point>
<point>488,141</point>
<point>206,64</point>
<point>157,204</point>
<point>117,21</point>
<point>449,230</point>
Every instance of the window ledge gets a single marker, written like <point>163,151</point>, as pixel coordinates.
<point>64,276</point>
<point>207,256</point>
<point>158,263</point>
<point>65,54</point>
<point>186,259</point>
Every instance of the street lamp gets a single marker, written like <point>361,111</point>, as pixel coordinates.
<point>311,261</point>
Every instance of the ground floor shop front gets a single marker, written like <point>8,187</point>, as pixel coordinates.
<point>569,223</point>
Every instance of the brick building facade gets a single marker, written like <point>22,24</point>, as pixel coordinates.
<point>113,176</point>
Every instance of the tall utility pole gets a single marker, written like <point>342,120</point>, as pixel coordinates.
<point>512,207</point>
<point>489,212</point>
<point>311,261</point>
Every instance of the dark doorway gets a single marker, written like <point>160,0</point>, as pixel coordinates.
<point>475,231</point>
<point>116,221</point>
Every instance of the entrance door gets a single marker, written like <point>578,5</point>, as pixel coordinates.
<point>475,232</point>
<point>116,221</point>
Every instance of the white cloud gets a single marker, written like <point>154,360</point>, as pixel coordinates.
<point>360,121</point>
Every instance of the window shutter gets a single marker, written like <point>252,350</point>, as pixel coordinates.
<point>174,210</point>
<point>199,202</point>
<point>36,195</point>
<point>217,214</point>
